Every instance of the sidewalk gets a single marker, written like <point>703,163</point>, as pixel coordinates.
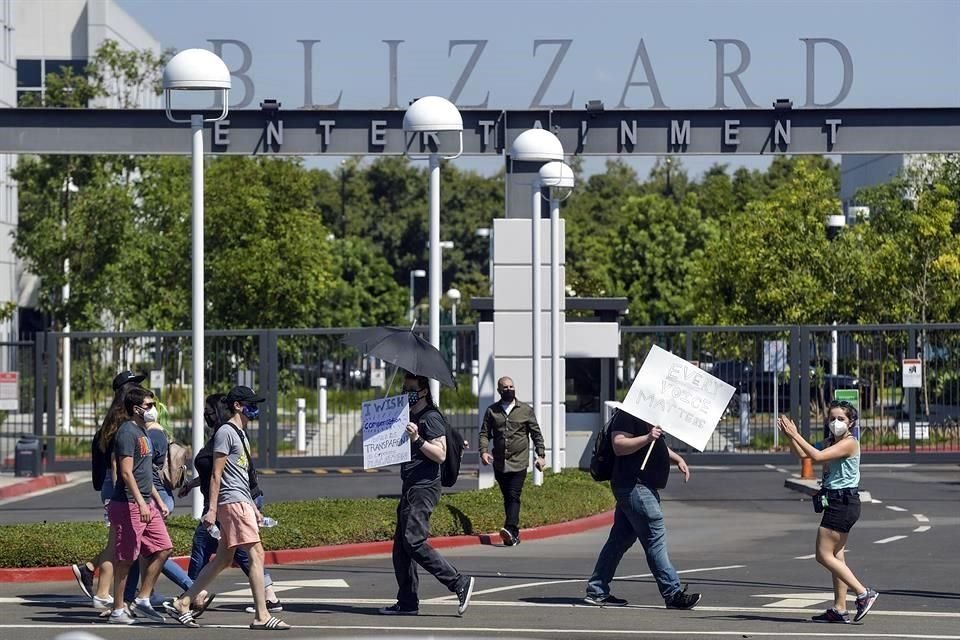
<point>14,487</point>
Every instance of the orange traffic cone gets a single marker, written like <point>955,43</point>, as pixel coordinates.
<point>806,469</point>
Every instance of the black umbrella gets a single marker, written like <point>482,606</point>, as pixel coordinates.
<point>405,349</point>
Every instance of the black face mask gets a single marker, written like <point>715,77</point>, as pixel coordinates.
<point>507,395</point>
<point>413,397</point>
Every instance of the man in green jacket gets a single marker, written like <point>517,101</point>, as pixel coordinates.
<point>510,424</point>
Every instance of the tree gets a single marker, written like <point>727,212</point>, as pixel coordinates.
<point>769,264</point>
<point>658,243</point>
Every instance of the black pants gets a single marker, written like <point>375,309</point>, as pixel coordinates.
<point>410,547</point>
<point>511,485</point>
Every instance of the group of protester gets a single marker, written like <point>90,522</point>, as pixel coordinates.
<point>133,477</point>
<point>137,500</point>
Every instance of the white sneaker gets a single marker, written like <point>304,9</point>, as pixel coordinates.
<point>102,603</point>
<point>121,617</point>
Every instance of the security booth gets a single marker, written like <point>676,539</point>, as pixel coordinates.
<point>590,344</point>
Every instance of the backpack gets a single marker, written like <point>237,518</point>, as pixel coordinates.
<point>450,467</point>
<point>603,457</point>
<point>99,462</point>
<point>173,473</point>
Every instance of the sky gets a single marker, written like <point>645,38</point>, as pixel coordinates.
<point>903,53</point>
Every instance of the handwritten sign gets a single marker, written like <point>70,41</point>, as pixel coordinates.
<point>385,439</point>
<point>686,401</point>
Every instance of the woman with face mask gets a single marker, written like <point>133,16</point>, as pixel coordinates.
<point>839,499</point>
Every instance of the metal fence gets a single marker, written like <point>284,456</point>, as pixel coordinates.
<point>308,377</point>
<point>311,379</point>
<point>799,370</point>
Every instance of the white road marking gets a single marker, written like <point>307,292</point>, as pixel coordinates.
<point>574,603</point>
<point>287,585</point>
<point>807,557</point>
<point>893,508</point>
<point>921,518</point>
<point>783,470</point>
<point>744,633</point>
<point>529,585</point>
<point>875,501</point>
<point>922,529</point>
<point>795,600</point>
<point>890,539</point>
<point>769,466</point>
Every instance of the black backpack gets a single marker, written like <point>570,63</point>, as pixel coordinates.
<point>450,467</point>
<point>601,462</point>
<point>100,462</point>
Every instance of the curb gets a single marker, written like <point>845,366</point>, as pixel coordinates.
<point>33,485</point>
<point>342,551</point>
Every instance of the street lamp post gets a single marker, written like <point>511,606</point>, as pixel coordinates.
<point>487,232</point>
<point>416,273</point>
<point>197,70</point>
<point>429,117</point>
<point>834,224</point>
<point>537,145</point>
<point>454,296</point>
<point>67,189</point>
<point>559,179</point>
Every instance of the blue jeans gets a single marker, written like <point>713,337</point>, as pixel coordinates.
<point>205,545</point>
<point>637,517</point>
<point>171,569</point>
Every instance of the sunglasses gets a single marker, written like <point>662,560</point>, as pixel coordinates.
<point>149,405</point>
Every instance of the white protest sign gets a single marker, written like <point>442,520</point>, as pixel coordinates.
<point>686,401</point>
<point>385,439</point>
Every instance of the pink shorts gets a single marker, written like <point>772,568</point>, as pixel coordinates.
<point>238,524</point>
<point>136,538</point>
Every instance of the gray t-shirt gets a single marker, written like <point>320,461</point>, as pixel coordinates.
<point>235,480</point>
<point>132,441</point>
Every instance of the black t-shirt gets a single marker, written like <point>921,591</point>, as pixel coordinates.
<point>626,469</point>
<point>421,469</point>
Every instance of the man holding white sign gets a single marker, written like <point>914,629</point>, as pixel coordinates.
<point>638,515</point>
<point>668,395</point>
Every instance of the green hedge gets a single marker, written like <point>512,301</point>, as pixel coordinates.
<point>312,523</point>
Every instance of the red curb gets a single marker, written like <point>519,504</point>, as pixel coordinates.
<point>33,484</point>
<point>341,551</point>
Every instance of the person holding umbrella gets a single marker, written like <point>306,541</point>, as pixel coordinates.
<point>419,497</point>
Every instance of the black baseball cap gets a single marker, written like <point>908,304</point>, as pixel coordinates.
<point>125,377</point>
<point>242,394</point>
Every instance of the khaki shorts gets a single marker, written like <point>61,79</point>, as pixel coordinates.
<point>238,524</point>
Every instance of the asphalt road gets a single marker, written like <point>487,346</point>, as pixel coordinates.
<point>737,536</point>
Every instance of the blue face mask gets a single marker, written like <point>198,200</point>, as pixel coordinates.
<point>252,412</point>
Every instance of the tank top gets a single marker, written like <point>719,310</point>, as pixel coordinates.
<point>842,474</point>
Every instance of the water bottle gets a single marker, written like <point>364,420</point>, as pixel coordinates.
<point>106,519</point>
<point>268,523</point>
<point>214,531</point>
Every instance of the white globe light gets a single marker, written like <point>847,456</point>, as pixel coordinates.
<point>432,113</point>
<point>196,70</point>
<point>536,145</point>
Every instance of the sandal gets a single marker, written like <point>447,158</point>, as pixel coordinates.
<point>199,611</point>
<point>186,618</point>
<point>273,624</point>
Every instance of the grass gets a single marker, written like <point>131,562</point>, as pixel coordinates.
<point>568,496</point>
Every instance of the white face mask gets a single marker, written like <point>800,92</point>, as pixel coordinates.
<point>151,415</point>
<point>838,428</point>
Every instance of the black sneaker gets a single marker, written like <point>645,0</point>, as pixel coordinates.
<point>397,610</point>
<point>832,615</point>
<point>864,604</point>
<point>464,593</point>
<point>683,600</point>
<point>507,537</point>
<point>84,578</point>
<point>605,601</point>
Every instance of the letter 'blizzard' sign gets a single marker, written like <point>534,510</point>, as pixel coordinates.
<point>640,89</point>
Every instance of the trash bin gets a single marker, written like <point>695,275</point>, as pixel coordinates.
<point>28,457</point>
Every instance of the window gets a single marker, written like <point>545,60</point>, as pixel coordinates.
<point>32,75</point>
<point>583,385</point>
<point>29,73</point>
